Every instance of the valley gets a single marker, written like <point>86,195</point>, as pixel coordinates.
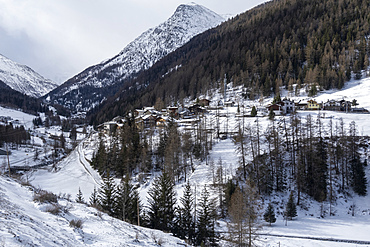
<point>250,131</point>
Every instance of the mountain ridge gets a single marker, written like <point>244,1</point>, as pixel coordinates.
<point>263,50</point>
<point>96,83</point>
<point>24,79</point>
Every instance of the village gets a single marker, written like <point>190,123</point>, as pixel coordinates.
<point>188,115</point>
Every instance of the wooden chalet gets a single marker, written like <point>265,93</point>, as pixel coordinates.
<point>313,105</point>
<point>204,102</point>
<point>332,105</point>
<point>276,108</point>
<point>173,111</point>
<point>197,109</point>
<point>160,122</point>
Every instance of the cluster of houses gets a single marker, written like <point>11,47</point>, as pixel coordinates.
<point>149,117</point>
<point>287,106</point>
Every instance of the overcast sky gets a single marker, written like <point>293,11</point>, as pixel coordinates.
<point>59,38</point>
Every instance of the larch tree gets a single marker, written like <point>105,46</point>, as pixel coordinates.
<point>244,210</point>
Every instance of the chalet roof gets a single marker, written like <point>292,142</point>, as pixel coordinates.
<point>204,99</point>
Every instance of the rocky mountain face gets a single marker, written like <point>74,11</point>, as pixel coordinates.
<point>92,86</point>
<point>23,79</point>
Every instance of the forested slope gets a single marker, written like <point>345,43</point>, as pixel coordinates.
<point>11,98</point>
<point>280,43</point>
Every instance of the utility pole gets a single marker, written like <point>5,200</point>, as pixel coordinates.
<point>7,154</point>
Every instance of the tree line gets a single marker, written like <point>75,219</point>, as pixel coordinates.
<point>10,134</point>
<point>304,154</point>
<point>131,151</point>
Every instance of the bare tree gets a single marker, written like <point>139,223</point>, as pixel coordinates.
<point>244,210</point>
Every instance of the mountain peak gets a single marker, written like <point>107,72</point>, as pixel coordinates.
<point>24,79</point>
<point>192,9</point>
<point>187,21</point>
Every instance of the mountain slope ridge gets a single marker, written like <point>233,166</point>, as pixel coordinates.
<point>90,87</point>
<point>261,49</point>
<point>24,79</point>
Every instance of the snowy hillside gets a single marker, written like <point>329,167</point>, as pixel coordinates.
<point>27,223</point>
<point>24,221</point>
<point>86,89</point>
<point>308,229</point>
<point>23,79</point>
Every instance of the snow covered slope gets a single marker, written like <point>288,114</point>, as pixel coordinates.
<point>23,79</point>
<point>24,222</point>
<point>89,88</point>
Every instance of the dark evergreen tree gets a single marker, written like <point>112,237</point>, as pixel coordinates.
<point>107,194</point>
<point>94,200</point>
<point>99,160</point>
<point>187,214</point>
<point>128,202</point>
<point>162,201</point>
<point>79,197</point>
<point>229,190</point>
<point>271,114</point>
<point>205,220</point>
<point>269,215</point>
<point>254,111</point>
<point>291,208</point>
<point>73,134</point>
<point>276,99</point>
<point>358,178</point>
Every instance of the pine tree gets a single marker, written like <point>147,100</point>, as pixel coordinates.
<point>271,114</point>
<point>73,134</point>
<point>291,208</point>
<point>229,191</point>
<point>107,194</point>
<point>205,222</point>
<point>128,202</point>
<point>93,200</point>
<point>99,160</point>
<point>359,181</point>
<point>269,215</point>
<point>162,201</point>
<point>187,224</point>
<point>80,198</point>
<point>254,111</point>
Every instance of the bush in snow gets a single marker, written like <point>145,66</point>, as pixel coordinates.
<point>76,223</point>
<point>44,196</point>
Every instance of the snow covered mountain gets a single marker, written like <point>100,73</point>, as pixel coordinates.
<point>23,79</point>
<point>97,82</point>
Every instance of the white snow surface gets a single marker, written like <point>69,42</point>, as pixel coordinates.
<point>23,79</point>
<point>24,222</point>
<point>72,173</point>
